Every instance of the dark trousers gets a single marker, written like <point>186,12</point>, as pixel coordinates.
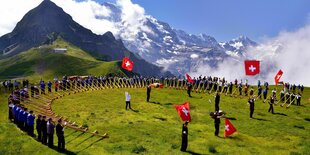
<point>50,139</point>
<point>148,97</point>
<point>217,129</point>
<point>30,130</point>
<point>265,96</point>
<point>39,135</point>
<point>61,142</point>
<point>217,107</point>
<point>49,90</point>
<point>128,104</point>
<point>298,102</point>
<point>251,112</point>
<point>44,138</point>
<point>189,93</point>
<point>184,144</point>
<point>270,108</point>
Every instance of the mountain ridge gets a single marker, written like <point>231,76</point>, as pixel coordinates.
<point>47,21</point>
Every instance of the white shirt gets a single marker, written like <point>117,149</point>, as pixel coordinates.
<point>127,95</point>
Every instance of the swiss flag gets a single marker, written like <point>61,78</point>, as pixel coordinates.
<point>189,79</point>
<point>183,110</point>
<point>229,128</point>
<point>251,67</point>
<point>278,76</point>
<point>127,64</point>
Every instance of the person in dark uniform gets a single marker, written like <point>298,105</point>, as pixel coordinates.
<point>216,116</point>
<point>298,98</point>
<point>265,93</point>
<point>60,136</point>
<point>44,130</point>
<point>189,89</point>
<point>49,86</point>
<point>282,98</point>
<point>184,136</point>
<point>30,123</point>
<point>251,102</point>
<point>38,128</point>
<point>302,88</point>
<point>230,87</point>
<point>240,89</point>
<point>148,93</point>
<point>24,120</point>
<point>50,132</point>
<point>217,101</point>
<point>260,89</point>
<point>293,98</point>
<point>271,102</point>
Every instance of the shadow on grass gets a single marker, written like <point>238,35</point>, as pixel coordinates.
<point>71,133</point>
<point>91,144</point>
<point>134,110</point>
<point>76,137</point>
<point>307,119</point>
<point>84,140</point>
<point>277,113</point>
<point>63,152</point>
<point>261,119</point>
<point>155,102</point>
<point>193,153</point>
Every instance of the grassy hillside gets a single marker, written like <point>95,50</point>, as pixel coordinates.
<point>40,63</point>
<point>155,128</point>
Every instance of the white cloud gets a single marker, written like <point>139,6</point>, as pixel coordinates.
<point>289,51</point>
<point>88,13</point>
<point>12,11</point>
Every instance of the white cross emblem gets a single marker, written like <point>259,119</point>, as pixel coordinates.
<point>278,77</point>
<point>227,127</point>
<point>252,68</point>
<point>185,111</point>
<point>127,63</point>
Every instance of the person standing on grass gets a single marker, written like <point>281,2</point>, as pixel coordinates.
<point>148,93</point>
<point>50,132</point>
<point>49,86</point>
<point>39,128</point>
<point>216,116</point>
<point>44,130</point>
<point>189,89</point>
<point>184,136</point>
<point>60,135</point>
<point>271,102</point>
<point>24,120</point>
<point>251,103</point>
<point>30,123</point>
<point>127,98</point>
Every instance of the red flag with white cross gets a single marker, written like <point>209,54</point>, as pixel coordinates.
<point>127,64</point>
<point>229,128</point>
<point>252,67</point>
<point>183,110</point>
<point>278,76</point>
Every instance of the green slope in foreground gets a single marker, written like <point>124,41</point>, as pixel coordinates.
<point>155,128</point>
<point>40,62</point>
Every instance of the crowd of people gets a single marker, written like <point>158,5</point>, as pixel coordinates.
<point>24,118</point>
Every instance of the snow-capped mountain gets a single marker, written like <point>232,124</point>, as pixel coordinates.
<point>177,50</point>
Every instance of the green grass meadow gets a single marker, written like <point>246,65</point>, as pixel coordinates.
<point>155,128</point>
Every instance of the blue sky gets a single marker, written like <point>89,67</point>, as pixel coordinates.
<point>227,19</point>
